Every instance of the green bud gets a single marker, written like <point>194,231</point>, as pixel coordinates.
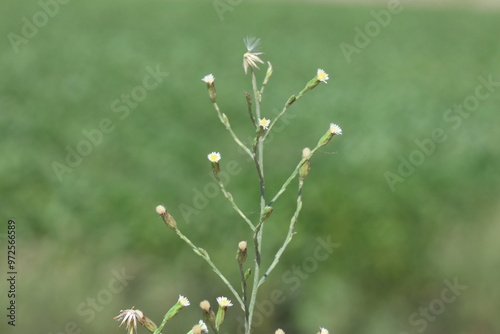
<point>248,273</point>
<point>268,210</point>
<point>268,73</point>
<point>219,318</point>
<point>291,100</point>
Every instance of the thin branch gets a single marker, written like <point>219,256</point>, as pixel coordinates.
<point>225,121</point>
<point>205,256</point>
<point>289,235</point>
<point>233,203</point>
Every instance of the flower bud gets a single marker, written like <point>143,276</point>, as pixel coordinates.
<point>241,255</point>
<point>167,218</point>
<point>268,210</point>
<point>268,73</point>
<point>210,81</point>
<point>306,166</point>
<point>291,100</point>
<point>321,76</point>
<point>224,303</point>
<point>196,329</point>
<point>214,158</point>
<point>208,314</point>
<point>332,131</point>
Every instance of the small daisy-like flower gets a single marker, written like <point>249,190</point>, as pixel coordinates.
<point>160,209</point>
<point>264,123</point>
<point>322,75</point>
<point>224,302</point>
<point>214,157</point>
<point>335,129</point>
<point>203,326</point>
<point>130,318</point>
<point>183,301</point>
<point>250,58</point>
<point>323,330</point>
<point>209,79</point>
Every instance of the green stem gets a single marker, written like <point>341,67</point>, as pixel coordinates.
<point>258,157</point>
<point>250,113</point>
<point>233,203</point>
<point>292,176</point>
<point>244,291</point>
<point>289,235</point>
<point>205,256</point>
<point>225,121</point>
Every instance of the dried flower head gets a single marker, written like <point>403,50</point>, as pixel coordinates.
<point>203,326</point>
<point>323,330</point>
<point>306,152</point>
<point>279,331</point>
<point>251,43</point>
<point>209,79</point>
<point>160,209</point>
<point>130,317</point>
<point>335,129</point>
<point>264,123</point>
<point>250,58</point>
<point>224,302</point>
<point>196,329</point>
<point>205,306</point>
<point>214,157</point>
<point>242,245</point>
<point>322,75</point>
<point>183,301</point>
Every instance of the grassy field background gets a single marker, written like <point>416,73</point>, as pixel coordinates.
<point>397,246</point>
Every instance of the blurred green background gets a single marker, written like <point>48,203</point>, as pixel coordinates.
<point>397,246</point>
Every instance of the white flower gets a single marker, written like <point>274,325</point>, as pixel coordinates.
<point>183,301</point>
<point>250,57</point>
<point>203,326</point>
<point>322,76</point>
<point>323,330</point>
<point>160,209</point>
<point>264,123</point>
<point>335,129</point>
<point>209,79</point>
<point>130,318</point>
<point>214,157</point>
<point>224,302</point>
